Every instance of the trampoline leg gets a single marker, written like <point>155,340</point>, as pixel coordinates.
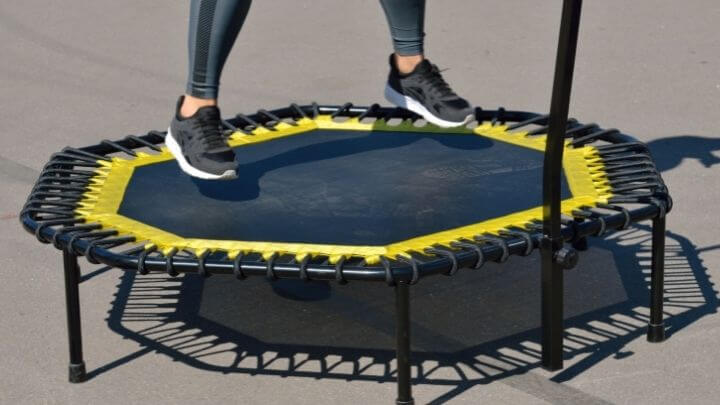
<point>402,310</point>
<point>656,327</point>
<point>72,302</point>
<point>552,312</point>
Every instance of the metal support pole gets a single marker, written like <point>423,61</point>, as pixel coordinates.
<point>656,327</point>
<point>552,272</point>
<point>72,302</point>
<point>402,310</point>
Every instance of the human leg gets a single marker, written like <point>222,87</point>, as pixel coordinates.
<point>214,26</point>
<point>195,135</point>
<point>414,83</point>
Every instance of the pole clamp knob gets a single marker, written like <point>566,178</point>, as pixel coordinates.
<point>566,257</point>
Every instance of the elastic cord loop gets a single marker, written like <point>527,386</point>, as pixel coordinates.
<point>270,273</point>
<point>497,242</point>
<point>477,249</point>
<point>237,267</point>
<point>525,236</point>
<point>389,277</point>
<point>141,260</point>
<point>303,268</point>
<point>415,271</point>
<point>339,269</point>
<point>201,264</point>
<point>88,251</point>
<point>169,268</point>
<point>447,254</point>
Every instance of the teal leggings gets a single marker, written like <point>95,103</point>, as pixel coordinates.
<point>214,25</point>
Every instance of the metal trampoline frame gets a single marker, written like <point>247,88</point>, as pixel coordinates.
<point>638,194</point>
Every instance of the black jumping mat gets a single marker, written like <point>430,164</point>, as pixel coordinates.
<point>343,187</point>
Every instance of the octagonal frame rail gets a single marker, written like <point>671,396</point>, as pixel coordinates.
<point>639,193</point>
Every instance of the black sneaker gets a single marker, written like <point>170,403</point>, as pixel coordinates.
<point>425,92</point>
<point>198,145</point>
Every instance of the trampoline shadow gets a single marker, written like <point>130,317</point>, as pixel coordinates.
<point>670,152</point>
<point>468,330</point>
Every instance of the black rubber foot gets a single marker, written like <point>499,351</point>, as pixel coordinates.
<point>656,333</point>
<point>410,402</point>
<point>77,373</point>
<point>552,367</point>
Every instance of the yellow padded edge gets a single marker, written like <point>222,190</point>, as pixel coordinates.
<point>584,173</point>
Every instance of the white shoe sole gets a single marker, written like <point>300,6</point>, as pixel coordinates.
<point>409,103</point>
<point>186,167</point>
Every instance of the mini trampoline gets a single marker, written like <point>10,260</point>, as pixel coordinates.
<point>351,193</point>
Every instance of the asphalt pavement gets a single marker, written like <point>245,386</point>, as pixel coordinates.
<point>74,73</point>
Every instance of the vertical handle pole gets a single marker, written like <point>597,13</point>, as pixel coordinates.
<point>552,273</point>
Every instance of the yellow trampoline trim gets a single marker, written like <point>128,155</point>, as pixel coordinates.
<point>584,173</point>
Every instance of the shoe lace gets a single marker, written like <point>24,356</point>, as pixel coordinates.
<point>438,84</point>
<point>207,123</point>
